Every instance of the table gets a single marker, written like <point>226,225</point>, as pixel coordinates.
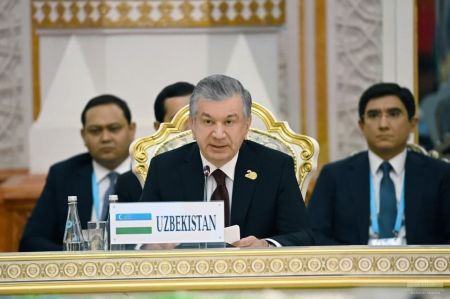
<point>290,268</point>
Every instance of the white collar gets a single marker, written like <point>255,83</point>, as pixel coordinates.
<point>101,172</point>
<point>227,168</point>
<point>397,162</point>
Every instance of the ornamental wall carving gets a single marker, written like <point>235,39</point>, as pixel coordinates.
<point>358,51</point>
<point>13,131</point>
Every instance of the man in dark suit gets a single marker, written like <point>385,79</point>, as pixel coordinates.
<point>107,133</point>
<point>257,185</point>
<point>167,103</point>
<point>351,204</point>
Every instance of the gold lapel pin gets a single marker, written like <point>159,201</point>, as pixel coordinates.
<point>251,175</point>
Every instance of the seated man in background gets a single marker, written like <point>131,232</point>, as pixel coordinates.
<point>257,184</point>
<point>107,133</point>
<point>168,102</point>
<point>387,195</point>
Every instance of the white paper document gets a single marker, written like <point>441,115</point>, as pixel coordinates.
<point>232,234</point>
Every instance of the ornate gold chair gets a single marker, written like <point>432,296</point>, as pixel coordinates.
<point>432,153</point>
<point>276,134</point>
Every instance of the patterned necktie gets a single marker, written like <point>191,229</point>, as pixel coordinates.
<point>388,203</point>
<point>221,193</point>
<point>112,177</point>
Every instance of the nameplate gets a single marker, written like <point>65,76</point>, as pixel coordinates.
<point>166,222</point>
<point>386,242</point>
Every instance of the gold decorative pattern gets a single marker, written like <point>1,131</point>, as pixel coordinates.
<point>180,269</point>
<point>36,76</point>
<point>415,63</point>
<point>321,79</point>
<point>80,14</point>
<point>278,135</point>
<point>302,66</point>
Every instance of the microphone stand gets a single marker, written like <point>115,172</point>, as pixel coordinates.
<point>206,173</point>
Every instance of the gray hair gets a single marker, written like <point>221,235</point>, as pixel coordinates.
<point>219,88</point>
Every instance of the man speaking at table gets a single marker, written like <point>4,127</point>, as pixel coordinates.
<point>257,184</point>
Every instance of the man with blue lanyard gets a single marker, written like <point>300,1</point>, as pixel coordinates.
<point>386,195</point>
<point>107,133</point>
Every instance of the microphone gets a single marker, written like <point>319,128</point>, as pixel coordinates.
<point>206,171</point>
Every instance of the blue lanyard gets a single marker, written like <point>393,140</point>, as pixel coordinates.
<point>95,195</point>
<point>373,208</point>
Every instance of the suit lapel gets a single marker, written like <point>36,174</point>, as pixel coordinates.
<point>191,175</point>
<point>360,195</point>
<point>413,177</point>
<point>84,188</point>
<point>243,188</point>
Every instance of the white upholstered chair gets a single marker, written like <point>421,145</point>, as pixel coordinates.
<point>276,134</point>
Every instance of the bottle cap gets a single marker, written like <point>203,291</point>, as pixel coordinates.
<point>72,198</point>
<point>113,198</point>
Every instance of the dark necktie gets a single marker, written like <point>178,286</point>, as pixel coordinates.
<point>221,193</point>
<point>388,203</point>
<point>112,177</point>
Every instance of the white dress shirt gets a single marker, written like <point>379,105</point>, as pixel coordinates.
<point>101,176</point>
<point>397,175</point>
<point>228,169</point>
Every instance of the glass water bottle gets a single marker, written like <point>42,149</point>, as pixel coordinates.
<point>73,235</point>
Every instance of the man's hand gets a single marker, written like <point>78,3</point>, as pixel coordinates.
<point>251,241</point>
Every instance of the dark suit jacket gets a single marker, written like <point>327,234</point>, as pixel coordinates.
<point>339,208</point>
<point>128,188</point>
<point>45,228</point>
<point>271,206</point>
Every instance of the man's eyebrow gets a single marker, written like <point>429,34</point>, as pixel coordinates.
<point>228,116</point>
<point>387,109</point>
<point>394,109</point>
<point>205,114</point>
<point>232,115</point>
<point>373,110</point>
<point>104,125</point>
<point>114,125</point>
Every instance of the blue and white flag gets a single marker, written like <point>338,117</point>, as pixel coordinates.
<point>166,222</point>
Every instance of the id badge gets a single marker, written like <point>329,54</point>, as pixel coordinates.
<point>386,242</point>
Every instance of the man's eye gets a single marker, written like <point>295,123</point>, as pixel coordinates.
<point>114,129</point>
<point>373,114</point>
<point>207,122</point>
<point>229,122</point>
<point>394,113</point>
<point>94,131</point>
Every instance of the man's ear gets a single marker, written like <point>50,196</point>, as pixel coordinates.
<point>133,129</point>
<point>413,123</point>
<point>82,132</point>
<point>156,125</point>
<point>361,124</point>
<point>191,122</point>
<point>249,122</point>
